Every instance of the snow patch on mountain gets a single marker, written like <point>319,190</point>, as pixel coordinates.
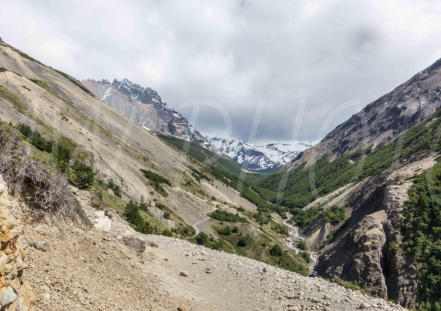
<point>144,106</point>
<point>259,157</point>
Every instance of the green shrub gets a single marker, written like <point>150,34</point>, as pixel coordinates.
<point>305,217</point>
<point>167,232</point>
<point>224,230</point>
<point>280,228</point>
<point>81,175</point>
<point>222,215</point>
<point>335,214</point>
<point>133,216</point>
<point>302,245</point>
<point>276,251</point>
<point>306,257</point>
<point>156,181</point>
<point>243,242</point>
<point>201,238</point>
<point>115,188</point>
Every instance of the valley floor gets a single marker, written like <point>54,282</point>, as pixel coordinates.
<point>112,267</point>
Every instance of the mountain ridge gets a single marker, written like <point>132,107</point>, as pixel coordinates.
<point>262,157</point>
<point>144,106</point>
<point>384,119</point>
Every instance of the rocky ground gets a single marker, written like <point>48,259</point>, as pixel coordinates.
<point>111,267</point>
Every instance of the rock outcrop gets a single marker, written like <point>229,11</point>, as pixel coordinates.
<point>364,253</point>
<point>145,107</point>
<point>384,119</point>
<point>14,295</point>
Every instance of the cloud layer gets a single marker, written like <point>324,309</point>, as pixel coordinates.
<point>257,70</point>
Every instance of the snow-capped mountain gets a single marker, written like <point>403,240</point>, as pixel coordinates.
<point>144,106</point>
<point>259,157</point>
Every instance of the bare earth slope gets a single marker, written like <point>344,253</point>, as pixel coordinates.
<point>55,104</point>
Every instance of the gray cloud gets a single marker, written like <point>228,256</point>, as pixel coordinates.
<point>272,66</point>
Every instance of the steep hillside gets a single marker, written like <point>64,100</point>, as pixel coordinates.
<point>384,119</point>
<point>145,107</point>
<point>157,187</point>
<point>110,266</point>
<point>369,206</point>
<point>259,157</point>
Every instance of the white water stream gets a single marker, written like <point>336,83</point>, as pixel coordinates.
<point>292,241</point>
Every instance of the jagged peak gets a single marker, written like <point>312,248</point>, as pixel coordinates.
<point>136,91</point>
<point>104,81</point>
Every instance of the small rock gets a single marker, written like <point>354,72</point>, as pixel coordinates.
<point>182,308</point>
<point>152,244</point>
<point>183,273</point>
<point>135,244</point>
<point>7,296</point>
<point>42,246</point>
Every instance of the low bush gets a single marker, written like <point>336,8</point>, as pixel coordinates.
<point>276,251</point>
<point>243,242</point>
<point>222,215</point>
<point>68,158</point>
<point>302,245</point>
<point>201,238</point>
<point>31,179</point>
<point>280,228</point>
<point>156,181</point>
<point>224,230</point>
<point>335,214</point>
<point>116,189</point>
<point>133,216</point>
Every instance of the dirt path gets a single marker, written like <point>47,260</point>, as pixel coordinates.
<point>116,268</point>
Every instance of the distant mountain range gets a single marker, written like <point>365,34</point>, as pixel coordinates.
<point>144,106</point>
<point>259,157</point>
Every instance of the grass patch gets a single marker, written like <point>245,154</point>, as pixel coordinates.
<point>353,286</point>
<point>235,239</point>
<point>74,81</point>
<point>156,181</point>
<point>13,99</point>
<point>222,215</point>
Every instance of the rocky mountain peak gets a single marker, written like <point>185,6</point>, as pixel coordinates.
<point>144,106</point>
<point>135,91</point>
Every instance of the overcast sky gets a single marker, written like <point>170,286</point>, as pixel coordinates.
<point>256,70</point>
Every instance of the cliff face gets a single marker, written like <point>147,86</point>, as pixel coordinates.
<point>384,119</point>
<point>365,252</point>
<point>145,107</point>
